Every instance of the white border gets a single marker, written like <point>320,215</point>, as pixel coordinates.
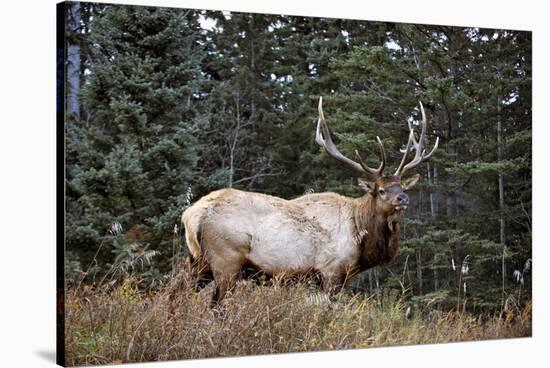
<point>27,192</point>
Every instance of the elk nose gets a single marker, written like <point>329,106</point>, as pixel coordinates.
<point>403,199</point>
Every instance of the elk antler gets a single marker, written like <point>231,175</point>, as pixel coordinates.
<point>420,152</point>
<point>323,138</point>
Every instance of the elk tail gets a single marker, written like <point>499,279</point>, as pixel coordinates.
<point>199,268</point>
<point>192,234</point>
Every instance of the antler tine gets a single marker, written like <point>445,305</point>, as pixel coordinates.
<point>422,131</point>
<point>420,152</point>
<point>429,155</point>
<point>380,169</point>
<point>406,152</point>
<point>382,155</point>
<point>324,139</point>
<point>424,124</point>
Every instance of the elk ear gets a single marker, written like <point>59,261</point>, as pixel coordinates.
<point>367,186</point>
<point>410,182</point>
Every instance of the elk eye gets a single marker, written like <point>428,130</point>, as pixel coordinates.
<point>381,191</point>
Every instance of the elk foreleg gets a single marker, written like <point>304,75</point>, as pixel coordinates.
<point>332,282</point>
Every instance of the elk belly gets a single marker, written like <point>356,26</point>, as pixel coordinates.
<point>278,246</point>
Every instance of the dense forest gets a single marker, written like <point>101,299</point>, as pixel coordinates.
<point>165,105</point>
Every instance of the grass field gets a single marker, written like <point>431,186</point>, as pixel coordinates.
<point>124,324</point>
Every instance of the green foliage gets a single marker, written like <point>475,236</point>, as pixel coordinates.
<point>169,108</point>
<point>73,270</point>
<point>133,155</point>
<point>130,257</point>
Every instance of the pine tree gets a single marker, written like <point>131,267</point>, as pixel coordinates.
<point>132,157</point>
<point>452,70</point>
<point>166,106</point>
<point>243,95</point>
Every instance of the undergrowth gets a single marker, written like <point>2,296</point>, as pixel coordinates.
<point>123,323</point>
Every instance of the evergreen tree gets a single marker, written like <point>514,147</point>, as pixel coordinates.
<point>132,158</point>
<point>166,105</point>
<point>243,98</point>
<point>466,81</point>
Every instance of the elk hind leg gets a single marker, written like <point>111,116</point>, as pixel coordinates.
<point>201,273</point>
<point>225,278</point>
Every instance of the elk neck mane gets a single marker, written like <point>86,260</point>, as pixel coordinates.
<point>377,233</point>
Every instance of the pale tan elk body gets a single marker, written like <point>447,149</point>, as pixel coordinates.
<point>333,235</point>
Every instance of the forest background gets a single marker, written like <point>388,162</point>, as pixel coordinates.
<point>166,105</point>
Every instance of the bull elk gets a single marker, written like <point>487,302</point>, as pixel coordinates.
<point>326,233</point>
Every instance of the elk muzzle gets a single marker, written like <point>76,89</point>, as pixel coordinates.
<point>401,201</point>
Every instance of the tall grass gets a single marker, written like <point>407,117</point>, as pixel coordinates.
<point>124,324</point>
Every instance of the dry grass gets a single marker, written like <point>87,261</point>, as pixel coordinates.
<point>126,325</point>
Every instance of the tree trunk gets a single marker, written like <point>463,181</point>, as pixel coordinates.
<point>73,61</point>
<point>436,279</point>
<point>501,203</point>
<point>419,270</point>
<point>432,178</point>
<point>374,281</point>
<point>233,146</point>
<point>371,282</point>
<point>377,281</point>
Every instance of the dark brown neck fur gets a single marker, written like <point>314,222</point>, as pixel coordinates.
<point>380,245</point>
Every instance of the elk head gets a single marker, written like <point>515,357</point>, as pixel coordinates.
<point>388,191</point>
